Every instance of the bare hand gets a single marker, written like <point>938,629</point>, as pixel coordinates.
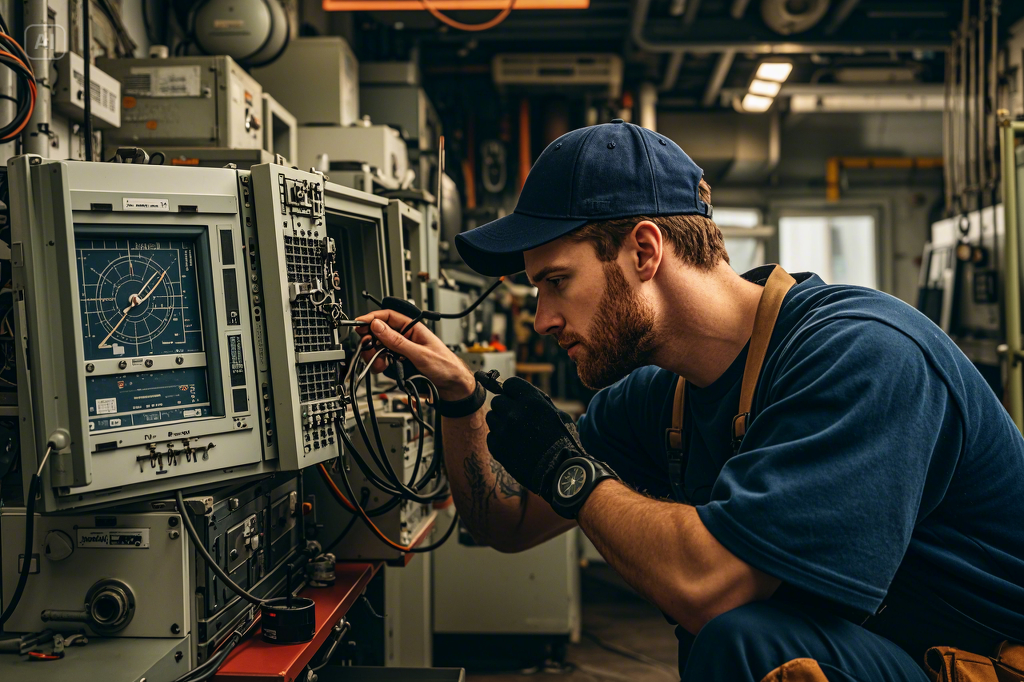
<point>422,348</point>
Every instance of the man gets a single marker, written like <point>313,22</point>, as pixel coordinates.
<point>865,509</point>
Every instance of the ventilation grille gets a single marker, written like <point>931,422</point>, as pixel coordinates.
<point>563,70</point>
<point>316,381</point>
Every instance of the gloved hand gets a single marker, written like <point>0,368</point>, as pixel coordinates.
<point>529,436</point>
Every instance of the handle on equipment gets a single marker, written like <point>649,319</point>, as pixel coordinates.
<point>490,381</point>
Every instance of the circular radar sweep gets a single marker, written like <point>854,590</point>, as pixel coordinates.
<point>138,302</point>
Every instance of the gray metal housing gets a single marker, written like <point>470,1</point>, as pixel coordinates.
<point>186,101</point>
<point>157,572</point>
<point>50,200</point>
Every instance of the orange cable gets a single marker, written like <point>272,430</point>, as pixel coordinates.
<point>429,6</point>
<point>356,509</point>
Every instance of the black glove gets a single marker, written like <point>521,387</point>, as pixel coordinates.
<point>529,436</point>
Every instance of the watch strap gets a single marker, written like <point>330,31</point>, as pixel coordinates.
<point>596,471</point>
<point>455,409</point>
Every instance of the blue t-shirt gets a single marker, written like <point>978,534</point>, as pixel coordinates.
<point>876,455</point>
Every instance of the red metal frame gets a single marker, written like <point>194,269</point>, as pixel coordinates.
<point>256,660</point>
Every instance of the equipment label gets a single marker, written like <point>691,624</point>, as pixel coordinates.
<point>114,538</point>
<point>146,204</point>
<point>164,81</point>
<point>106,405</point>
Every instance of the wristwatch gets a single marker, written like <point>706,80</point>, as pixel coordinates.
<point>576,479</point>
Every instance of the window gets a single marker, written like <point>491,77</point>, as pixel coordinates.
<point>840,249</point>
<point>744,252</point>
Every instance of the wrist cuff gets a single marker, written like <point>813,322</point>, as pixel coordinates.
<point>454,409</point>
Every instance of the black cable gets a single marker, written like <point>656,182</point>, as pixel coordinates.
<point>17,60</point>
<point>26,565</point>
<point>343,630</point>
<point>211,666</point>
<point>475,304</point>
<point>362,513</point>
<point>210,561</point>
<point>87,77</point>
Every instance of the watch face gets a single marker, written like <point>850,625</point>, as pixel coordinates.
<point>570,483</point>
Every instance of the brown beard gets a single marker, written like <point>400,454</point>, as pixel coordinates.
<point>621,337</point>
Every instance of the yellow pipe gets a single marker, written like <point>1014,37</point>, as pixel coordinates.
<point>1011,299</point>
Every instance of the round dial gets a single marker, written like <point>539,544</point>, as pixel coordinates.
<point>570,483</point>
<point>138,297</point>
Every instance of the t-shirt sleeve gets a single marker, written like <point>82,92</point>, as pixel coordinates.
<point>828,483</point>
<point>620,428</point>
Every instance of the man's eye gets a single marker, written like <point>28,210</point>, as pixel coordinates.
<point>555,281</point>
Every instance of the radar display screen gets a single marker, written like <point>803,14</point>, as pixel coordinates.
<point>122,400</point>
<point>138,297</point>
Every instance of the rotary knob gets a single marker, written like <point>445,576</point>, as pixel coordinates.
<point>57,545</point>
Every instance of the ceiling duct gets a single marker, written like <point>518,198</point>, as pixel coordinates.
<point>793,16</point>
<point>559,70</point>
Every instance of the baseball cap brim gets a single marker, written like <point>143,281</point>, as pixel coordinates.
<point>496,249</point>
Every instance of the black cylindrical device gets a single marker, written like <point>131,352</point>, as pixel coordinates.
<point>288,621</point>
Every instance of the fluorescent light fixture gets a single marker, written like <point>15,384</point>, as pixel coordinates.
<point>765,88</point>
<point>756,104</point>
<point>774,71</point>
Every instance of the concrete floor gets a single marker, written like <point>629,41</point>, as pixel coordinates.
<point>619,618</point>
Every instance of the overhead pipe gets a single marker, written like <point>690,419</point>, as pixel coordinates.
<point>672,67</point>
<point>718,76</point>
<point>993,166</point>
<point>641,9</point>
<point>648,101</point>
<point>841,13</point>
<point>36,137</point>
<point>947,142</point>
<point>692,8</point>
<point>979,97</point>
<point>1011,283</point>
<point>739,8</point>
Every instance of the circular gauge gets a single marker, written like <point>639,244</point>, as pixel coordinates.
<point>570,483</point>
<point>134,301</point>
<point>138,297</point>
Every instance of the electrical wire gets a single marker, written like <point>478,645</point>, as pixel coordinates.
<point>448,21</point>
<point>14,57</point>
<point>210,561</point>
<point>30,518</point>
<point>87,78</point>
<point>384,538</point>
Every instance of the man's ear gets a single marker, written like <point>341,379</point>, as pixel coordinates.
<point>647,247</point>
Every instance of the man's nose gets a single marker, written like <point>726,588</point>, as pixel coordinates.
<point>547,321</point>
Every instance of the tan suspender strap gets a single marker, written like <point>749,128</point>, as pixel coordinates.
<point>675,434</point>
<point>775,290</point>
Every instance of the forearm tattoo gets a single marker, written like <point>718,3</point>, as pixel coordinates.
<point>508,486</point>
<point>479,497</point>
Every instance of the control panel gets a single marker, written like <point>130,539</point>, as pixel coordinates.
<point>293,288</point>
<point>131,313</point>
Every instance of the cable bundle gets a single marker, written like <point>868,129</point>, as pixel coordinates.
<point>389,481</point>
<point>14,57</point>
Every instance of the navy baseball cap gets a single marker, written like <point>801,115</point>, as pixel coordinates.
<point>607,171</point>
